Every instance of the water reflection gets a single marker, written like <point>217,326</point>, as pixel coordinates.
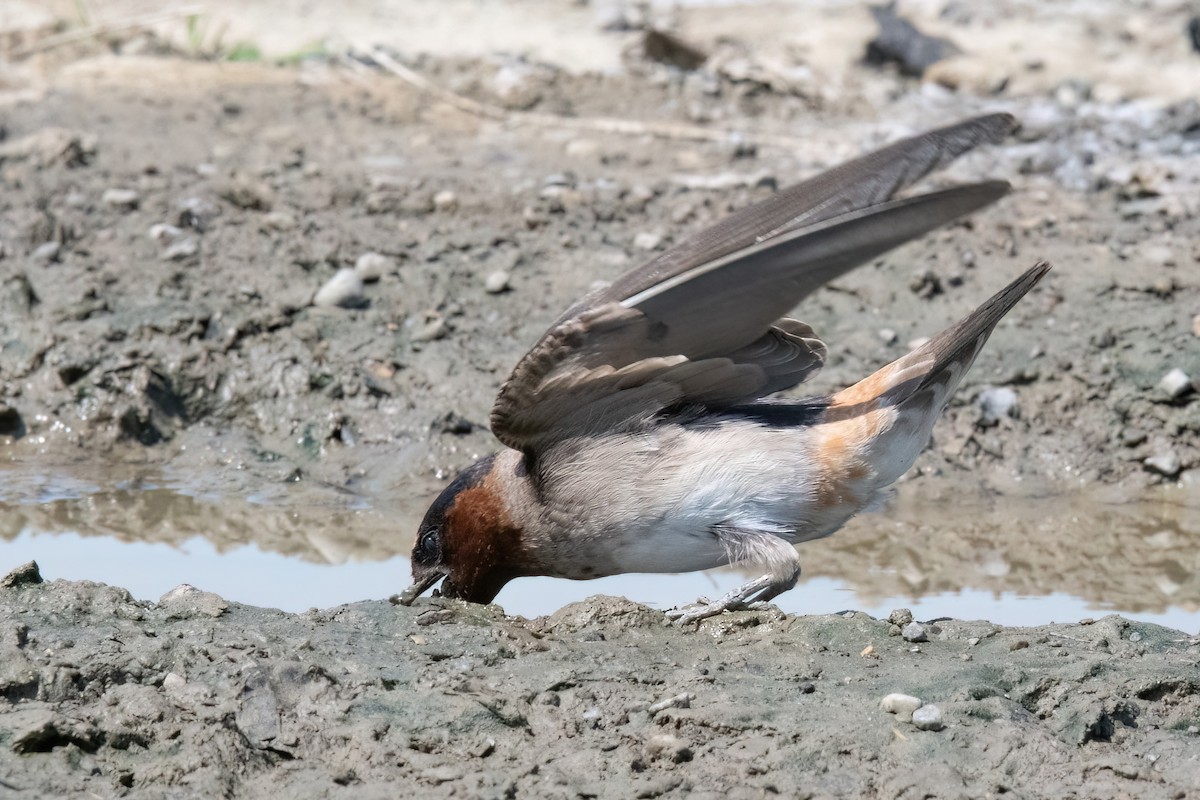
<point>936,549</point>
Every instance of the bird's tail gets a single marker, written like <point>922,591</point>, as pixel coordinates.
<point>892,412</point>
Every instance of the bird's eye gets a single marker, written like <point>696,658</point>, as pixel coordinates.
<point>429,547</point>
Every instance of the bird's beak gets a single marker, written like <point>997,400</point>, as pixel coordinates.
<point>420,586</point>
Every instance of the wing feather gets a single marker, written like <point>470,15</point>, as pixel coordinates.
<point>703,324</point>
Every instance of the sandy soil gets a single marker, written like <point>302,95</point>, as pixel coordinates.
<point>168,217</point>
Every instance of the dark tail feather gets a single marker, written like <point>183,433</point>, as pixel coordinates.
<point>955,348</point>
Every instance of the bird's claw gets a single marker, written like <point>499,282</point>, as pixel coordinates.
<point>737,600</point>
<point>704,608</point>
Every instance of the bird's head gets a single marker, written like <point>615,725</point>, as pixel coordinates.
<point>468,538</point>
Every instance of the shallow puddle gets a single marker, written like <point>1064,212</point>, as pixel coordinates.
<point>1011,560</point>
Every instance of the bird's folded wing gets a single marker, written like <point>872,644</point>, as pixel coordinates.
<point>706,327</point>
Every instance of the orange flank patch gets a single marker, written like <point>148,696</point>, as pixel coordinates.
<point>482,542</point>
<point>854,418</point>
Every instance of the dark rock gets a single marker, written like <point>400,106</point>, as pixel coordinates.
<point>27,574</point>
<point>667,48</point>
<point>900,42</point>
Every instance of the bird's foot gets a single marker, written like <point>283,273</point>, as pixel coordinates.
<point>737,600</point>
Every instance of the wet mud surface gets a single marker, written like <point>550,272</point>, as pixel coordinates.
<point>196,696</point>
<point>175,361</point>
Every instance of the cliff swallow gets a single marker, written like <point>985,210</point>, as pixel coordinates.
<point>638,430</point>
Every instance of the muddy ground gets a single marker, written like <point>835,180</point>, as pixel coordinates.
<point>168,216</point>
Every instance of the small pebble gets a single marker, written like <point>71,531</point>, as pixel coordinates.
<point>186,601</point>
<point>900,616</point>
<point>247,193</point>
<point>496,282</point>
<point>807,687</point>
<point>279,221</point>
<point>445,200</point>
<point>925,284</point>
<point>1175,384</point>
<point>122,199</point>
<point>974,640</point>
<point>1196,326</point>
<point>928,718</point>
<point>1165,464</point>
<point>666,746</point>
<point>172,680</point>
<point>344,289</point>
<point>164,233</point>
<point>683,700</point>
<point>433,327</point>
<point>47,251</point>
<point>647,240</point>
<point>996,403</point>
<point>1132,437</point>
<point>180,249</point>
<point>915,632</point>
<point>888,335</point>
<point>902,705</point>
<point>1021,644</point>
<point>372,266</point>
<point>196,212</point>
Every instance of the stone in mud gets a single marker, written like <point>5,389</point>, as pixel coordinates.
<point>121,199</point>
<point>1175,384</point>
<point>343,290</point>
<point>915,632</point>
<point>47,252</point>
<point>186,601</point>
<point>181,249</point>
<point>496,282</point>
<point>995,404</point>
<point>902,705</point>
<point>27,574</point>
<point>371,267</point>
<point>1166,464</point>
<point>247,193</point>
<point>928,718</point>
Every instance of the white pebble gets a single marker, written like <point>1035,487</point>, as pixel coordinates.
<point>372,266</point>
<point>996,403</point>
<point>1166,464</point>
<point>180,249</point>
<point>124,199</point>
<point>1175,384</point>
<point>646,240</point>
<point>445,200</point>
<point>164,233</point>
<point>46,251</point>
<point>344,289</point>
<point>496,282</point>
<point>928,718</point>
<point>902,705</point>
<point>888,335</point>
<point>172,680</point>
